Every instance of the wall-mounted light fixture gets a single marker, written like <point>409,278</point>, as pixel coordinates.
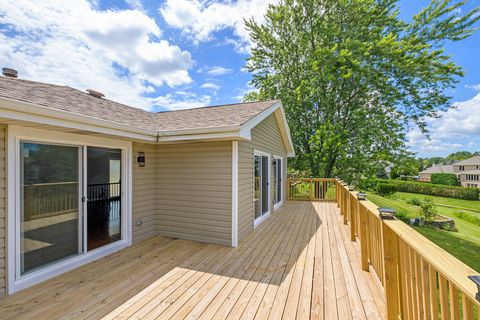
<point>476,280</point>
<point>361,196</point>
<point>141,159</point>
<point>386,213</point>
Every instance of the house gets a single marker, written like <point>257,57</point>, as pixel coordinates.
<point>83,176</point>
<point>426,175</point>
<point>467,171</point>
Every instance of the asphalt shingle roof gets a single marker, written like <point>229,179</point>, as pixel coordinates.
<point>439,169</point>
<point>469,162</point>
<point>78,102</point>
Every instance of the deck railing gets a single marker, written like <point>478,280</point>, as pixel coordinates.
<point>311,189</point>
<point>420,280</point>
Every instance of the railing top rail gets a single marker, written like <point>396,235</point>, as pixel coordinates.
<point>453,269</point>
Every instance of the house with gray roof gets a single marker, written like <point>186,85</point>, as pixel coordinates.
<point>82,176</point>
<point>467,171</point>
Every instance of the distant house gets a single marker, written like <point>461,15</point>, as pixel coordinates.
<point>426,175</point>
<point>467,171</point>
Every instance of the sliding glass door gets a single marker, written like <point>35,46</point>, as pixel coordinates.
<point>261,185</point>
<point>70,202</point>
<point>50,207</point>
<point>103,196</point>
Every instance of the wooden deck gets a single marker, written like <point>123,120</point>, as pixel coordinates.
<point>300,263</point>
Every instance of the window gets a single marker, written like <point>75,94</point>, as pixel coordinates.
<point>462,168</point>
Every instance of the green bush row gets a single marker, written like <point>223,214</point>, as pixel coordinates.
<point>386,189</point>
<point>423,188</point>
<point>448,179</point>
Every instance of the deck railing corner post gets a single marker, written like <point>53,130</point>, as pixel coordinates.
<point>391,272</point>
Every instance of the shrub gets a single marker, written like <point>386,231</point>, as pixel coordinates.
<point>448,179</point>
<point>430,189</point>
<point>427,209</point>
<point>368,184</point>
<point>414,201</point>
<point>386,189</point>
<point>470,217</point>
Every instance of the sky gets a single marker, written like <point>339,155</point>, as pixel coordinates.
<point>178,54</point>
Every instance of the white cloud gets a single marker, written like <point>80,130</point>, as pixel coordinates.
<point>120,53</point>
<point>219,71</point>
<point>181,100</point>
<point>210,86</point>
<point>475,87</point>
<point>456,129</point>
<point>201,19</point>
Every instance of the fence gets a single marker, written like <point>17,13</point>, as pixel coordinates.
<point>312,189</point>
<point>421,280</point>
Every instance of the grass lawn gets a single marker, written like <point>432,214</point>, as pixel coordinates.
<point>463,244</point>
<point>458,203</point>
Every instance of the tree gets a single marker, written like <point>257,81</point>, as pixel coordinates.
<point>406,166</point>
<point>459,156</point>
<point>352,75</point>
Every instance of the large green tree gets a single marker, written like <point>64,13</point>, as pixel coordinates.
<point>353,76</point>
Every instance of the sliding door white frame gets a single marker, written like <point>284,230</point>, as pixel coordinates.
<point>282,192</point>
<point>264,216</point>
<point>16,134</point>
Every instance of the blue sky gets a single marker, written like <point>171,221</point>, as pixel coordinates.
<point>180,54</point>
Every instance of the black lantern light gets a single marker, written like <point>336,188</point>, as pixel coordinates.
<point>361,196</point>
<point>476,280</point>
<point>386,213</point>
<point>141,159</point>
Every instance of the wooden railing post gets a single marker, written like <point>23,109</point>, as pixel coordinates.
<point>391,267</point>
<point>362,213</point>
<point>340,196</point>
<point>347,206</point>
<point>353,221</point>
<point>337,193</point>
<point>311,189</point>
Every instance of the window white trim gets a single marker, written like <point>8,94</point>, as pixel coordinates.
<point>234,193</point>
<point>15,134</point>
<point>263,217</point>
<point>282,184</point>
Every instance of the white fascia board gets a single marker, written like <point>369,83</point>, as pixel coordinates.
<point>253,122</point>
<point>246,128</point>
<point>24,111</point>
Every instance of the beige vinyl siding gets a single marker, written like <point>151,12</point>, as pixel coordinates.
<point>3,222</point>
<point>144,192</point>
<point>194,191</point>
<point>266,137</point>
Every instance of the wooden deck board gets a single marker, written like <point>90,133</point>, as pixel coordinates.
<point>299,263</point>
